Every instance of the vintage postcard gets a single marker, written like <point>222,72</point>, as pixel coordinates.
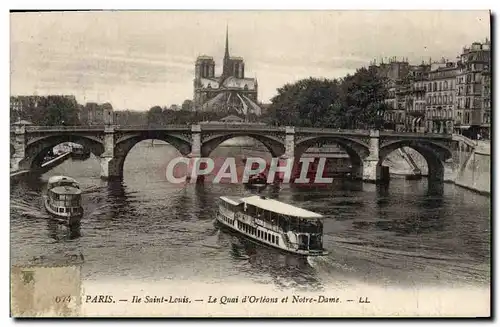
<point>250,164</point>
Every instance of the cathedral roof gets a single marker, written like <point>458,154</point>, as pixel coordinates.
<point>205,82</point>
<point>233,82</point>
<point>226,100</point>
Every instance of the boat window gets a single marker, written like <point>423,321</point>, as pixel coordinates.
<point>277,240</point>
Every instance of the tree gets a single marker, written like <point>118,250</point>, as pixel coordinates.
<point>187,105</point>
<point>303,103</point>
<point>155,116</point>
<point>356,101</point>
<point>60,111</point>
<point>364,94</point>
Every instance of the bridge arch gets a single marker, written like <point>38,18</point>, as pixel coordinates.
<point>273,144</point>
<point>356,150</point>
<point>434,154</point>
<point>125,144</point>
<point>36,151</point>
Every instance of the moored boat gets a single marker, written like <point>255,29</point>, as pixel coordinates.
<point>63,199</point>
<point>274,224</point>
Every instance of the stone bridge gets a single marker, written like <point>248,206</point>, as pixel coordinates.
<point>367,149</point>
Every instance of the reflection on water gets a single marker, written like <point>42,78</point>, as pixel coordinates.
<point>61,232</point>
<point>404,233</point>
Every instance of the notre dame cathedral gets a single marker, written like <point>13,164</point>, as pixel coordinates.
<point>230,91</point>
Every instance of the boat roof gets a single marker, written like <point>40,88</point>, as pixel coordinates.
<point>234,200</point>
<point>274,206</point>
<point>55,179</point>
<point>66,190</point>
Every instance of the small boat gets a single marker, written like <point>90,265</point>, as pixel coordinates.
<point>258,181</point>
<point>273,223</point>
<point>79,152</point>
<point>63,199</point>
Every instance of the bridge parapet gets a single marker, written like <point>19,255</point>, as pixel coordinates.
<point>176,127</point>
<point>33,128</point>
<point>239,127</point>
<point>415,135</point>
<point>320,130</point>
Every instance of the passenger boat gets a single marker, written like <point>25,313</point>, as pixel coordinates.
<point>274,223</point>
<point>63,199</point>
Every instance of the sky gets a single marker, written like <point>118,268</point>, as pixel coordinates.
<point>139,59</point>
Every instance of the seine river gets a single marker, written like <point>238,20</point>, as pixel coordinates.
<point>409,233</point>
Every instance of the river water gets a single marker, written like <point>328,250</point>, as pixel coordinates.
<point>409,233</point>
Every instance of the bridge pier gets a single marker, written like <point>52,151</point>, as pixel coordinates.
<point>372,168</point>
<point>357,172</point>
<point>289,143</point>
<point>111,165</point>
<point>111,168</point>
<point>196,152</point>
<point>19,147</point>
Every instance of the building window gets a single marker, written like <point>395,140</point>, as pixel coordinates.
<point>445,85</point>
<point>435,87</point>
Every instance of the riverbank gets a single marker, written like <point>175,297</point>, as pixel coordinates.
<point>475,173</point>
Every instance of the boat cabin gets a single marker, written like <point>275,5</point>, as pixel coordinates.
<point>56,181</point>
<point>299,226</point>
<point>65,200</point>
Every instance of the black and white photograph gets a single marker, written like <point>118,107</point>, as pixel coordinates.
<point>251,163</point>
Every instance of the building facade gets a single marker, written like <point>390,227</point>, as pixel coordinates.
<point>95,114</point>
<point>440,97</point>
<point>231,91</point>
<point>474,88</point>
<point>416,98</point>
<point>395,73</point>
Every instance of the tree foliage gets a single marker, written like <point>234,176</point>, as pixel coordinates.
<point>356,101</point>
<point>187,105</point>
<point>49,110</point>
